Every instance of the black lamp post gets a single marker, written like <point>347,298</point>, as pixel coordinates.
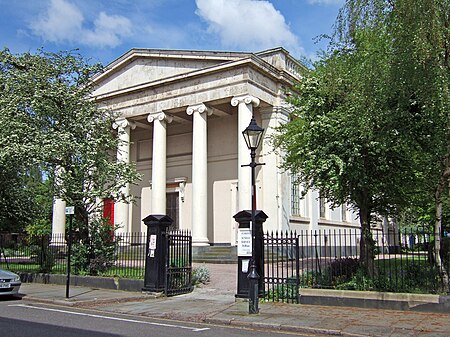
<point>253,135</point>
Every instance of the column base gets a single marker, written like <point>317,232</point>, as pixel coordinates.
<point>200,242</point>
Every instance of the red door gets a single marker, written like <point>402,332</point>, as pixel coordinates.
<point>108,210</point>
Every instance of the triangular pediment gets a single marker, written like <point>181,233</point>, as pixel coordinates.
<point>140,66</point>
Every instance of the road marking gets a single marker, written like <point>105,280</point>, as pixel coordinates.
<point>110,318</point>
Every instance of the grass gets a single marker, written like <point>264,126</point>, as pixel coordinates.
<point>61,268</point>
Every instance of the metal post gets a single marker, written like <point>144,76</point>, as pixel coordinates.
<point>69,251</point>
<point>253,275</point>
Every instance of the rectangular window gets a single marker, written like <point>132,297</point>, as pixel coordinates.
<point>344,212</point>
<point>321,206</point>
<point>172,209</point>
<point>295,196</point>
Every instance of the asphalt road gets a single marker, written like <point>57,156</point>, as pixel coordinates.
<point>23,319</point>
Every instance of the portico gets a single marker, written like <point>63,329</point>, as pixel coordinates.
<point>182,114</point>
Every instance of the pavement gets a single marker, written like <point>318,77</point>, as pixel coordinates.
<point>215,303</point>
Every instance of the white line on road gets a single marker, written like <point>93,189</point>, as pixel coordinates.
<point>110,318</point>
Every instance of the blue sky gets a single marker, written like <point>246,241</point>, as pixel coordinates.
<point>103,30</point>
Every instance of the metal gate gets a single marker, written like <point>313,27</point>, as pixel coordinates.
<point>281,267</point>
<point>178,263</point>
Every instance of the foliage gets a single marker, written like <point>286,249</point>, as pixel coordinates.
<point>24,197</point>
<point>51,123</point>
<point>358,281</point>
<point>285,292</point>
<point>341,270</point>
<point>97,254</point>
<point>39,240</point>
<point>200,275</point>
<point>39,229</point>
<point>370,124</point>
<point>44,256</point>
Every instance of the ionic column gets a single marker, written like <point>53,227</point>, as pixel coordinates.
<point>121,209</point>
<point>159,161</point>
<point>199,174</point>
<point>245,106</point>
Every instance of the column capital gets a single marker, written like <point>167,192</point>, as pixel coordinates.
<point>122,123</point>
<point>247,99</point>
<point>161,116</point>
<point>201,108</point>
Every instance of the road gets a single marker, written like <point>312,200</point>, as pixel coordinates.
<point>23,319</point>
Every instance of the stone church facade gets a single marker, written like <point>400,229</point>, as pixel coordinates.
<point>182,114</point>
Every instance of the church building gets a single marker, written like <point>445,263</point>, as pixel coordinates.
<point>182,114</point>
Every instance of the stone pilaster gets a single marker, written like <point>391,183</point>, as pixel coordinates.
<point>200,115</point>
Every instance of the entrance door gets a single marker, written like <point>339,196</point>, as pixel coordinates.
<point>173,209</point>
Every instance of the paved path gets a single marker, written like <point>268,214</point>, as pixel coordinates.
<point>215,303</point>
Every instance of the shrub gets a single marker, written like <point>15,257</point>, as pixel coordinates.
<point>200,275</point>
<point>39,239</point>
<point>342,270</point>
<point>97,254</point>
<point>44,256</point>
<point>286,292</point>
<point>359,281</point>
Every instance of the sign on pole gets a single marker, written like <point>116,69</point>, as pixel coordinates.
<point>70,210</point>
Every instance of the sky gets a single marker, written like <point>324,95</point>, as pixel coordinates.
<point>103,30</point>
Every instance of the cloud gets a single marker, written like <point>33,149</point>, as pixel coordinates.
<point>247,24</point>
<point>64,22</point>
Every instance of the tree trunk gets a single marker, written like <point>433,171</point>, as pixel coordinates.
<point>367,244</point>
<point>437,234</point>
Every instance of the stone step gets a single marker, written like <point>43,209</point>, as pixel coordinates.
<point>215,254</point>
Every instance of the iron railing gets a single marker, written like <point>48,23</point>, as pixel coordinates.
<point>403,262</point>
<point>48,254</point>
<point>23,253</point>
<point>178,263</point>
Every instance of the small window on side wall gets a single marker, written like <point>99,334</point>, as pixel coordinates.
<point>322,206</point>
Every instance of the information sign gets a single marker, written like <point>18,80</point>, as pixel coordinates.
<point>245,242</point>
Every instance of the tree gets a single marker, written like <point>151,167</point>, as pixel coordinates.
<point>368,128</point>
<point>419,83</point>
<point>342,141</point>
<point>49,121</point>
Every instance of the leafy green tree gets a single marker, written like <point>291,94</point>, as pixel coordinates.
<point>419,84</point>
<point>342,141</point>
<point>49,120</point>
<point>370,122</point>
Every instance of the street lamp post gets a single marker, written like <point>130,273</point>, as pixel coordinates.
<point>253,135</point>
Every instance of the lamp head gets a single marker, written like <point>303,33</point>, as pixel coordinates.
<point>253,134</point>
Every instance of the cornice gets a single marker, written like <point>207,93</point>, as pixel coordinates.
<point>251,61</point>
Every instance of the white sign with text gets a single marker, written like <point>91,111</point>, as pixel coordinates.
<point>245,242</point>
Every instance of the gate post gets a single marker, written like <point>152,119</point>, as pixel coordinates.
<point>156,252</point>
<point>244,218</point>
